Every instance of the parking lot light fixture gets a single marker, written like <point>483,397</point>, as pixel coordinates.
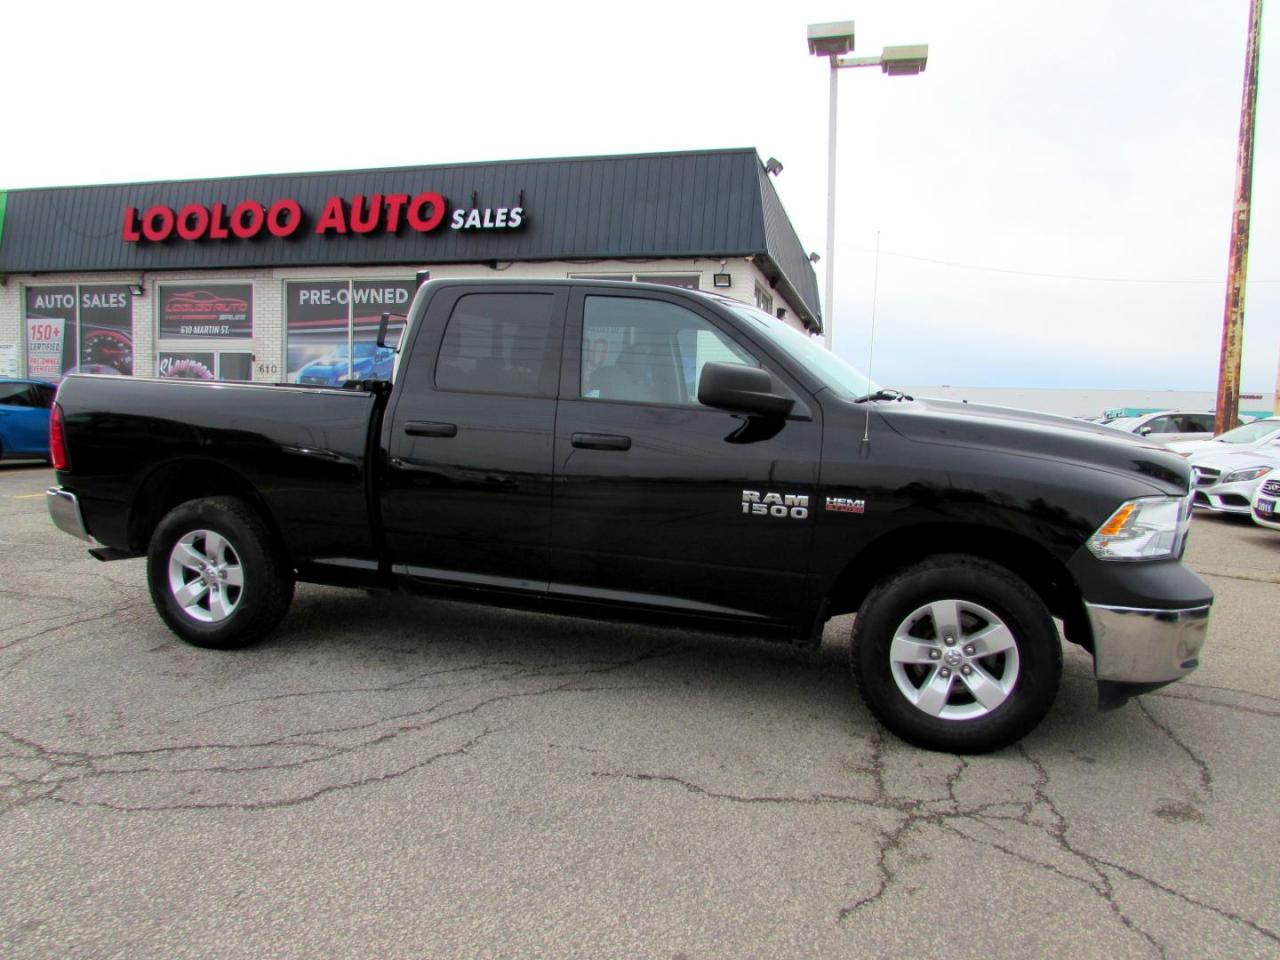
<point>834,41</point>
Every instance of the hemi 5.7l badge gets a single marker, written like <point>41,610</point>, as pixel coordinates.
<point>786,505</point>
<point>845,505</point>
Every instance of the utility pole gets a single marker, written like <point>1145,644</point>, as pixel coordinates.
<point>1228,405</point>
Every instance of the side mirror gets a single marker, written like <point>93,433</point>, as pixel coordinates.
<point>384,325</point>
<point>1144,432</point>
<point>741,389</point>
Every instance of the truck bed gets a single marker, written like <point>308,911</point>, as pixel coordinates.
<point>304,449</point>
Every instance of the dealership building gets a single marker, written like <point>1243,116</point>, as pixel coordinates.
<point>284,277</point>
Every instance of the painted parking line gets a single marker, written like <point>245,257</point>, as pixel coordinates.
<point>27,496</point>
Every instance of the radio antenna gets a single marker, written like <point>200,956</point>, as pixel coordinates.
<point>871,349</point>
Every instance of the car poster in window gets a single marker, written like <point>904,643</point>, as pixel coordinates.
<point>106,330</point>
<point>206,311</point>
<point>51,331</point>
<point>187,366</point>
<point>317,318</point>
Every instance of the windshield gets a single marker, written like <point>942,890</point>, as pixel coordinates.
<point>1258,430</point>
<point>834,373</point>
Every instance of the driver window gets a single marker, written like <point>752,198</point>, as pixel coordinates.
<point>649,351</point>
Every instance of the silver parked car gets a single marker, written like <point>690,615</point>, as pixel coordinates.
<point>1224,482</point>
<point>1167,426</point>
<point>1263,434</point>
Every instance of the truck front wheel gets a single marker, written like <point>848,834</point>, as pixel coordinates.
<point>956,654</point>
<point>217,578</point>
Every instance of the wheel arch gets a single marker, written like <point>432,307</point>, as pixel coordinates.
<point>1022,556</point>
<point>190,479</point>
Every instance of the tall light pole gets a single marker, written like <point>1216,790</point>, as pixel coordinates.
<point>834,40</point>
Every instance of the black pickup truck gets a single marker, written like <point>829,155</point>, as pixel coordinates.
<point>621,450</point>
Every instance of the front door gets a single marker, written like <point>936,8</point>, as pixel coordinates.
<point>660,501</point>
<point>468,494</point>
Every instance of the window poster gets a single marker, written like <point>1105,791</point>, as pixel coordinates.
<point>187,366</point>
<point>332,328</point>
<point>106,330</point>
<point>51,331</point>
<point>204,311</point>
<point>317,317</point>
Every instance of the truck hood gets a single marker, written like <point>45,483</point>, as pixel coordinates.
<point>1026,433</point>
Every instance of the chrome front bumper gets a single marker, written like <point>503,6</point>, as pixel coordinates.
<point>64,508</point>
<point>1146,646</point>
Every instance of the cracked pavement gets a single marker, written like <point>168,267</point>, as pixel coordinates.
<point>397,777</point>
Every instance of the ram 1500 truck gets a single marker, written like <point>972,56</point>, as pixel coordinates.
<point>620,450</point>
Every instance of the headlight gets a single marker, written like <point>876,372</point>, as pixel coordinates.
<point>1144,529</point>
<point>1248,473</point>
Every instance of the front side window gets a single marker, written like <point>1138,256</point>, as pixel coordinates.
<point>649,351</point>
<point>500,343</point>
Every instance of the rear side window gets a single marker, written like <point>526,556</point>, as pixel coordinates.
<point>500,343</point>
<point>45,395</point>
<point>16,395</point>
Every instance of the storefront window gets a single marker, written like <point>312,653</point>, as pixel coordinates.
<point>78,329</point>
<point>206,331</point>
<point>686,281</point>
<point>332,328</point>
<point>206,365</point>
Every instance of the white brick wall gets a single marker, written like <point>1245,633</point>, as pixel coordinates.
<point>268,294</point>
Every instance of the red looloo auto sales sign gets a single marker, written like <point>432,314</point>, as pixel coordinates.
<point>360,214</point>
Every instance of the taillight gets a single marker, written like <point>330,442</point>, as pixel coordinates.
<point>57,440</point>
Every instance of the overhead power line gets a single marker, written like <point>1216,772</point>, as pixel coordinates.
<point>1050,276</point>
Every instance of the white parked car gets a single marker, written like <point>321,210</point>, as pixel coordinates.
<point>1266,497</point>
<point>1224,482</point>
<point>1168,425</point>
<point>1261,434</point>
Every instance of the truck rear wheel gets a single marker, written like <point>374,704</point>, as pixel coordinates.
<point>217,577</point>
<point>956,654</point>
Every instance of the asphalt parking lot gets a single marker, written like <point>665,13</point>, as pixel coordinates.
<point>402,778</point>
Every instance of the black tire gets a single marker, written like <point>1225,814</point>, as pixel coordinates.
<point>966,696</point>
<point>217,577</point>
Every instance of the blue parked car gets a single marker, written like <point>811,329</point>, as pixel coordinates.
<point>24,418</point>
<point>371,362</point>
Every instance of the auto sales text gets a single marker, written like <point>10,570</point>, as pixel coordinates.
<point>360,214</point>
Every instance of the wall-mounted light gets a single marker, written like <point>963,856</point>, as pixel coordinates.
<point>782,313</point>
<point>773,166</point>
<point>722,279</point>
<point>813,256</point>
<point>136,289</point>
<point>422,276</point>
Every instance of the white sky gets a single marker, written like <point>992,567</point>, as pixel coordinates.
<point>1092,139</point>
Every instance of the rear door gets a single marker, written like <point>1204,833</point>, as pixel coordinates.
<point>467,495</point>
<point>662,502</point>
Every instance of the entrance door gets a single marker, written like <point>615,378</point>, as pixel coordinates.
<point>655,493</point>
